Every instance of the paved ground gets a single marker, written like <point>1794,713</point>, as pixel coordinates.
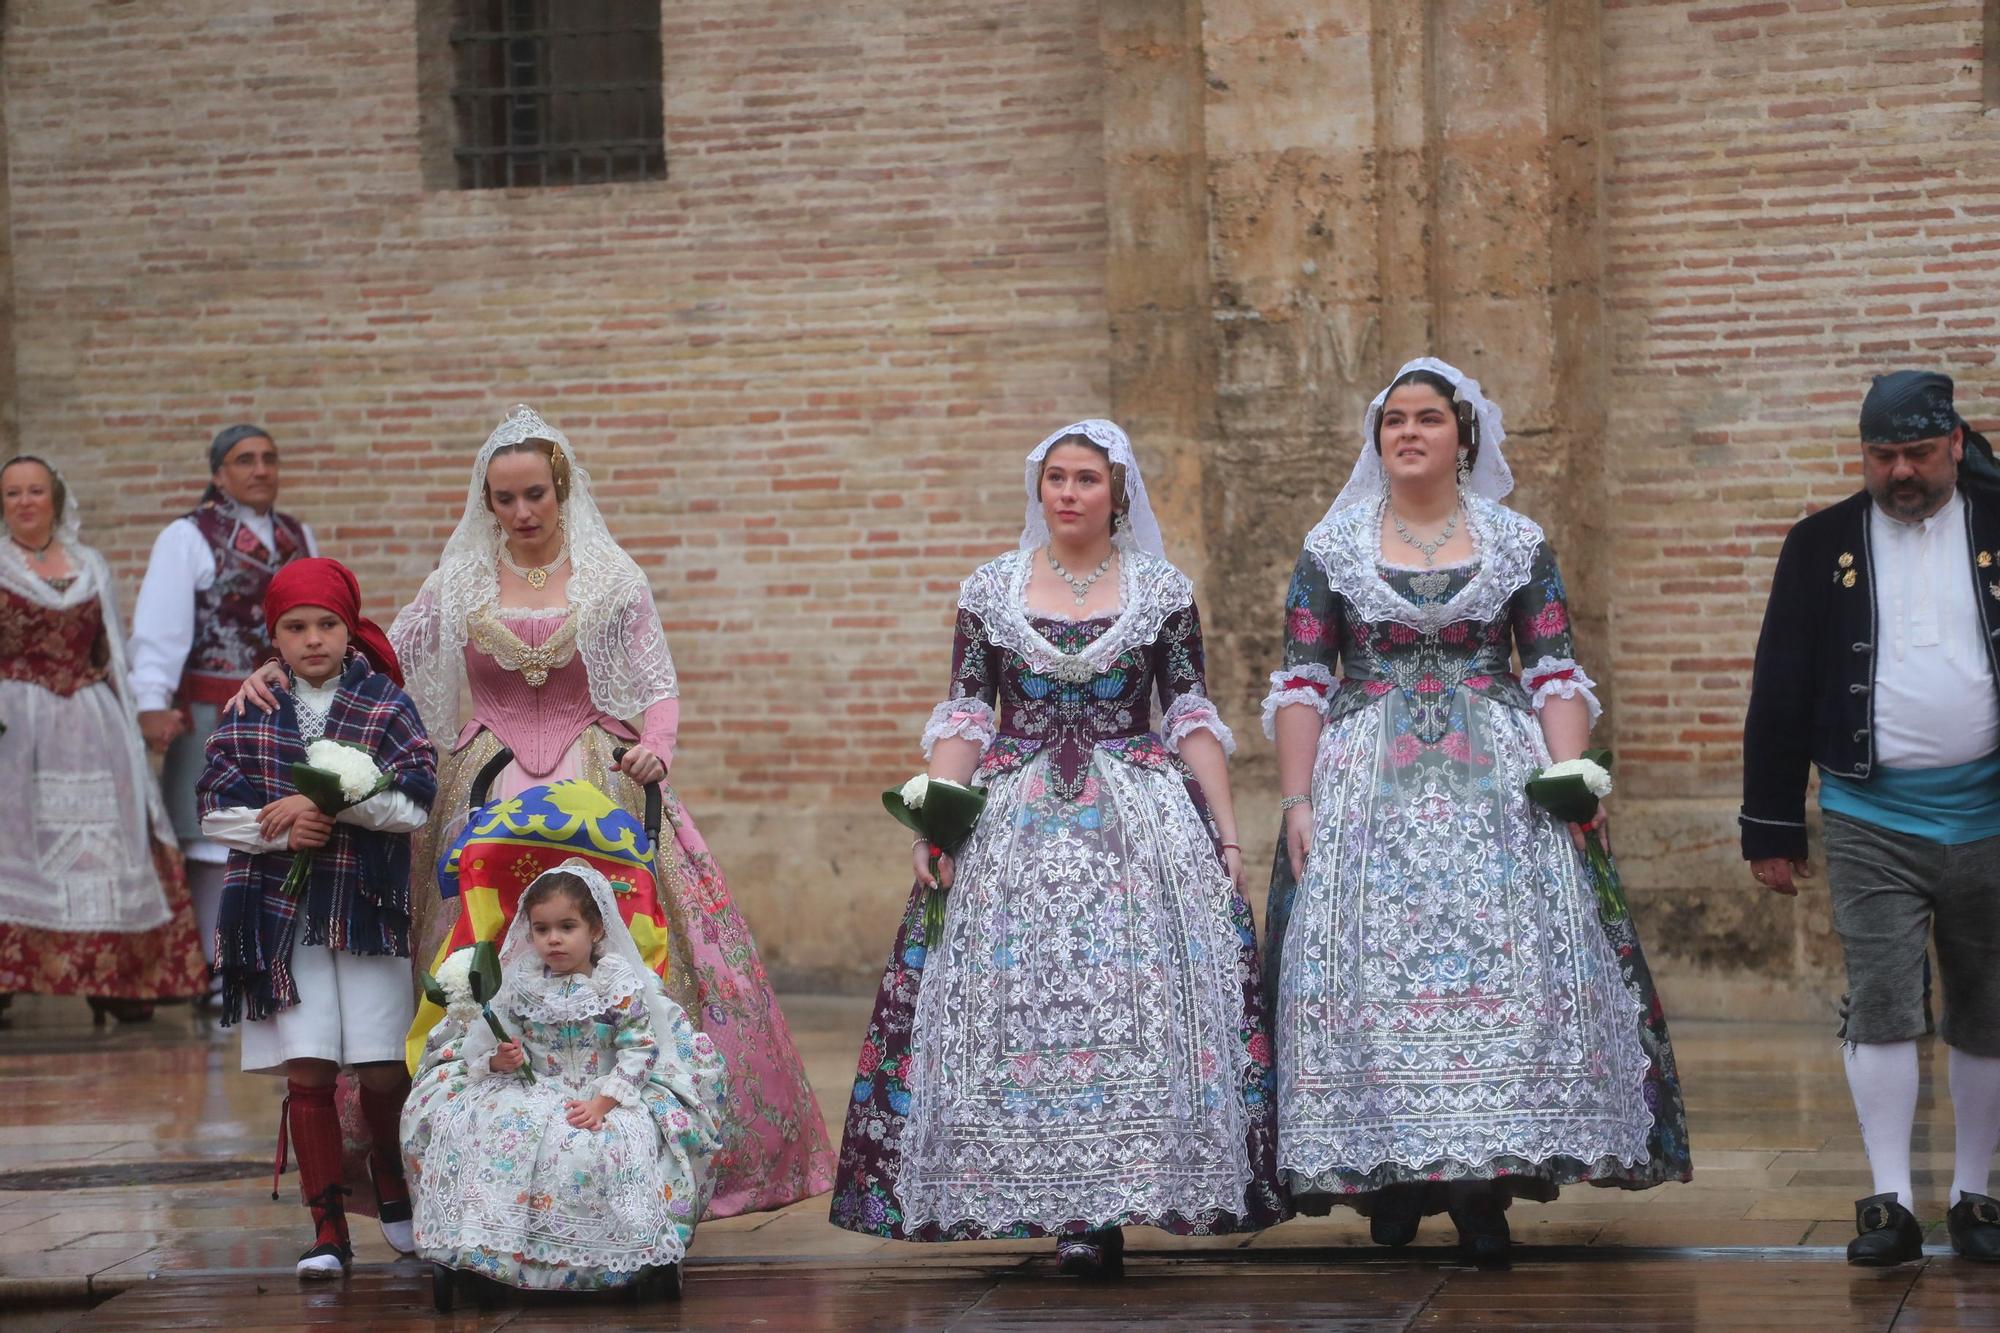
<point>1778,1165</point>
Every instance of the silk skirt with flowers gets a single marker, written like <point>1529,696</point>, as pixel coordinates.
<point>1086,1047</point>
<point>1454,1001</point>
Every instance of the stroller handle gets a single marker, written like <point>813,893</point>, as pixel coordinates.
<point>482,782</point>
<point>652,803</point>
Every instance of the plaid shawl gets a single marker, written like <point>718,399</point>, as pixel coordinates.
<point>357,896</point>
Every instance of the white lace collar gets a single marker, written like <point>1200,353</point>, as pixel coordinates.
<point>550,998</point>
<point>1149,591</point>
<point>1346,545</point>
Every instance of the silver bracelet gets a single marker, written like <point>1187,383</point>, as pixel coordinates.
<point>1285,805</point>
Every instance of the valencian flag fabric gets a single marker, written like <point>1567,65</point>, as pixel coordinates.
<point>509,841</point>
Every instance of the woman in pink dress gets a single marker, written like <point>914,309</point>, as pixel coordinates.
<point>549,627</point>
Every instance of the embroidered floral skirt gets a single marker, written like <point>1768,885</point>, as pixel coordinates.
<point>774,1144</point>
<point>1453,1002</point>
<point>1086,1048</point>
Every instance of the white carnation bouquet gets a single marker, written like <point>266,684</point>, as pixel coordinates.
<point>1571,791</point>
<point>334,776</point>
<point>943,813</point>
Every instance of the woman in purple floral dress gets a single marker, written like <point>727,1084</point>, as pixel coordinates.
<point>1085,1049</point>
<point>1461,1019</point>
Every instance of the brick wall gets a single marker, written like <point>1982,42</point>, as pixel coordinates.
<point>1798,196</point>
<point>899,242</point>
<point>803,370</point>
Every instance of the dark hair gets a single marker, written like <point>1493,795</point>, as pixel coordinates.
<point>57,491</point>
<point>571,888</point>
<point>1120,504</point>
<point>557,460</point>
<point>1468,426</point>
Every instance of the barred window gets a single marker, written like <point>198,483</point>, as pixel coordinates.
<point>556,92</point>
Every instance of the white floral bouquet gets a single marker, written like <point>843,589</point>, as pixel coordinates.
<point>943,813</point>
<point>334,776</point>
<point>1571,791</point>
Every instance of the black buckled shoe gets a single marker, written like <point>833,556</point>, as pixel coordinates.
<point>1888,1233</point>
<point>1974,1224</point>
<point>1094,1254</point>
<point>1483,1238</point>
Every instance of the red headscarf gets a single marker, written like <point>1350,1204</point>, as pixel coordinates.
<point>328,583</point>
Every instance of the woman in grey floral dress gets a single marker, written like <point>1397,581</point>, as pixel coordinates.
<point>1459,1022</point>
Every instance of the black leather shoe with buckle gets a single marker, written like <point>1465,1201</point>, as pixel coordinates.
<point>1974,1224</point>
<point>1888,1234</point>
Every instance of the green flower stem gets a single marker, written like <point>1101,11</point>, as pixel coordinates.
<point>934,908</point>
<point>1603,876</point>
<point>500,1034</point>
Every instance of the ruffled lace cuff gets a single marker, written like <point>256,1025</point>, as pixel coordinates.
<point>1560,676</point>
<point>968,717</point>
<point>1307,683</point>
<point>619,1089</point>
<point>1191,713</point>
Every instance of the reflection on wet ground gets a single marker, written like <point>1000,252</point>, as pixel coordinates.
<point>1778,1165</point>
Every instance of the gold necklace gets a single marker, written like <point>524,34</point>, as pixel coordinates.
<point>537,577</point>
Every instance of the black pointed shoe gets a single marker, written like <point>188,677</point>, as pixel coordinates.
<point>1974,1224</point>
<point>1888,1234</point>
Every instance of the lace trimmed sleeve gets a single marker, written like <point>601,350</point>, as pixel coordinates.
<point>635,1047</point>
<point>968,711</point>
<point>1312,644</point>
<point>1540,614</point>
<point>1181,674</point>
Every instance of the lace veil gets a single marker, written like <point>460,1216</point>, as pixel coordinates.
<point>1141,528</point>
<point>520,965</point>
<point>618,627</point>
<point>1491,477</point>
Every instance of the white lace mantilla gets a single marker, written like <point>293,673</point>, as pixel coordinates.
<point>611,604</point>
<point>1347,546</point>
<point>1150,590</point>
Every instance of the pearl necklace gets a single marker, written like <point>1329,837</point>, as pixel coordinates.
<point>537,577</point>
<point>1428,549</point>
<point>1078,586</point>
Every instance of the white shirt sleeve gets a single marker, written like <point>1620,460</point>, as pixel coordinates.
<point>386,812</point>
<point>236,827</point>
<point>163,619</point>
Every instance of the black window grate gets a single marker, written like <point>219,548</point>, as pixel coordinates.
<point>556,92</point>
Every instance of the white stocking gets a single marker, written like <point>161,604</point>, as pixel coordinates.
<point>1883,1079</point>
<point>1975,1104</point>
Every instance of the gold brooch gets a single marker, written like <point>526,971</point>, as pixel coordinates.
<point>1985,559</point>
<point>1847,581</point>
<point>1846,560</point>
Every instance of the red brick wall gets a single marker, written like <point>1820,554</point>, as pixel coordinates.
<point>1800,195</point>
<point>803,370</point>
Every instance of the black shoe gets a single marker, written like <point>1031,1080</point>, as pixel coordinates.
<point>1483,1238</point>
<point>1094,1254</point>
<point>1974,1224</point>
<point>1888,1234</point>
<point>1398,1212</point>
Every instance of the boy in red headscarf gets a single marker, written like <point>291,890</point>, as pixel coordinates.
<point>322,980</point>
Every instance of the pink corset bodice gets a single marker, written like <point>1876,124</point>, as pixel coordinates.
<point>538,723</point>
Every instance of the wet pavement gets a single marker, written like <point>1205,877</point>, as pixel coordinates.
<point>100,1113</point>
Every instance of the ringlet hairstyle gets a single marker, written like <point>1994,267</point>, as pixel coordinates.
<point>1468,430</point>
<point>572,890</point>
<point>1120,504</point>
<point>557,460</point>
<point>57,491</point>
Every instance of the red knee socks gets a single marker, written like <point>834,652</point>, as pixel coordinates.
<point>316,1145</point>
<point>384,1113</point>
